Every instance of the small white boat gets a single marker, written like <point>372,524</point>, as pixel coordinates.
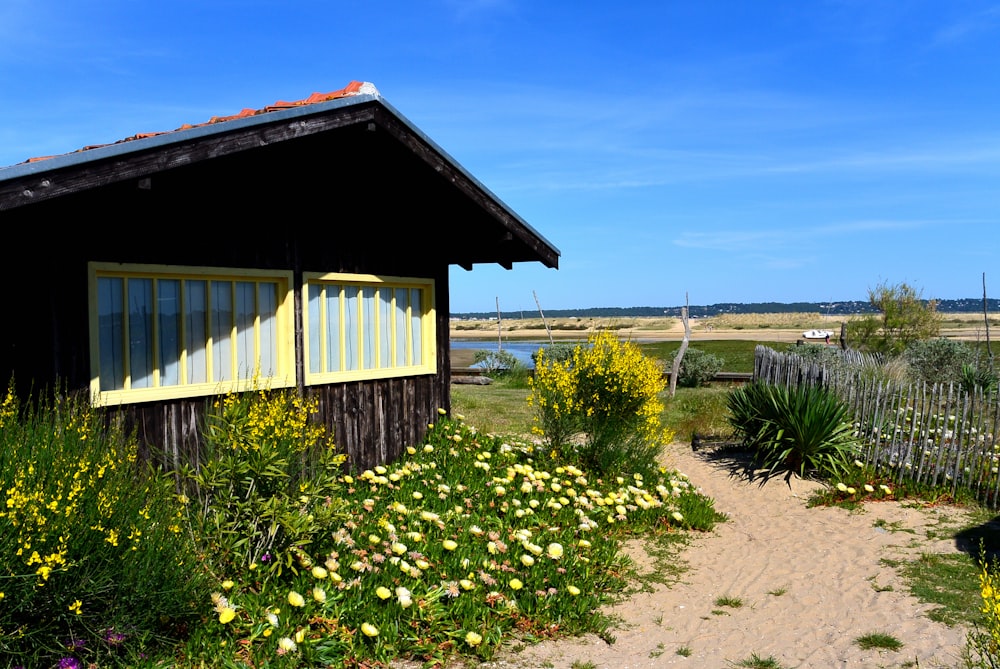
<point>817,334</point>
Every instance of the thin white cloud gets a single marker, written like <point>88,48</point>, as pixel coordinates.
<point>969,27</point>
<point>763,239</point>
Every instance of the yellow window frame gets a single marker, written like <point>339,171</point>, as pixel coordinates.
<point>381,368</point>
<point>284,354</point>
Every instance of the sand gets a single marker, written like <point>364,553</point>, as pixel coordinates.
<point>825,561</point>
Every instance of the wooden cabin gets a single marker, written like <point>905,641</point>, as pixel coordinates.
<point>304,245</point>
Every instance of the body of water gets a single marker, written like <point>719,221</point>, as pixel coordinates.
<point>521,350</point>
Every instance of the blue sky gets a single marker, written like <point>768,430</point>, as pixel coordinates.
<point>732,151</point>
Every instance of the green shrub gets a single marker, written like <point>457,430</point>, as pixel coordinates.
<point>803,430</point>
<point>266,491</point>
<point>555,352</point>
<point>938,360</point>
<point>608,393</point>
<point>496,363</point>
<point>698,368</point>
<point>97,566</point>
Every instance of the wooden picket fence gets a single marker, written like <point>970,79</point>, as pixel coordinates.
<point>939,435</point>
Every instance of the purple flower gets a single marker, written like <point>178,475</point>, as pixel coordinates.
<point>112,637</point>
<point>266,558</point>
<point>69,663</point>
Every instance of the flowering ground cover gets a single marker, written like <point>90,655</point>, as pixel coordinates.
<point>468,540</point>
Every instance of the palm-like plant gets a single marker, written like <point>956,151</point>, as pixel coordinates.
<point>803,430</point>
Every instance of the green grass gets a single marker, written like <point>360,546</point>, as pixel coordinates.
<point>684,651</point>
<point>701,410</point>
<point>737,354</point>
<point>949,581</point>
<point>777,592</point>
<point>755,661</point>
<point>499,408</point>
<point>731,602</point>
<point>879,641</point>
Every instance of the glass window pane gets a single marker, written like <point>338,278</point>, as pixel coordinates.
<point>332,329</point>
<point>140,331</point>
<point>222,330</point>
<point>110,327</point>
<point>385,327</point>
<point>246,317</point>
<point>315,326</point>
<point>267,307</point>
<point>368,325</point>
<point>401,348</point>
<point>196,330</point>
<point>351,327</point>
<point>168,299</point>
<point>416,314</point>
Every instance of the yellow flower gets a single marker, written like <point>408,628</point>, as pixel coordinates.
<point>515,584</point>
<point>300,635</point>
<point>678,516</point>
<point>226,615</point>
<point>573,590</point>
<point>383,592</point>
<point>319,572</point>
<point>286,645</point>
<point>227,585</point>
<point>449,545</point>
<point>869,488</point>
<point>319,594</point>
<point>75,607</point>
<point>555,551</point>
<point>473,639</point>
<point>841,487</point>
<point>369,630</point>
<point>527,560</point>
<point>295,599</point>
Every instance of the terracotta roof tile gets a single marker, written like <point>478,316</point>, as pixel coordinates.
<point>353,88</point>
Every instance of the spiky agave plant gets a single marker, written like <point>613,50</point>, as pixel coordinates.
<point>814,436</point>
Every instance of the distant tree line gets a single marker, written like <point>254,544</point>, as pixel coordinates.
<point>966,305</point>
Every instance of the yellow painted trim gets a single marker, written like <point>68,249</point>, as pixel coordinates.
<point>284,375</point>
<point>383,360</point>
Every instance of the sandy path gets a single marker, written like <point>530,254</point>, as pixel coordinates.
<point>827,562</point>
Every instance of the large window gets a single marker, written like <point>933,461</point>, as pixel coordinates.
<point>363,326</point>
<point>161,332</point>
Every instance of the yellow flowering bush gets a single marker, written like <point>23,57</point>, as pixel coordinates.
<point>266,486</point>
<point>984,643</point>
<point>607,392</point>
<point>94,547</point>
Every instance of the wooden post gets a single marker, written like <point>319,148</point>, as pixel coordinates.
<point>986,319</point>
<point>544,322</point>
<point>676,368</point>
<point>499,330</point>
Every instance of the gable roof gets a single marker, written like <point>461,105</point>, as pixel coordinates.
<point>358,105</point>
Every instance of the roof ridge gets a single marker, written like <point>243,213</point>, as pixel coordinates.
<point>351,89</point>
